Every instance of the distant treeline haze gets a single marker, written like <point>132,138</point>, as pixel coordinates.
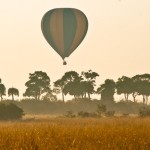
<point>81,86</point>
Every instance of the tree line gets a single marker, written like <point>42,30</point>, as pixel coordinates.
<point>82,86</point>
<point>11,91</point>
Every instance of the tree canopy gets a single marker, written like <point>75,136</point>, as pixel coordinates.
<point>2,90</point>
<point>107,91</point>
<point>82,86</point>
<point>13,91</point>
<point>39,83</point>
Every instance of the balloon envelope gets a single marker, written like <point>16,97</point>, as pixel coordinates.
<point>64,29</point>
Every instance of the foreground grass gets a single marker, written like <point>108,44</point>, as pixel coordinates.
<point>76,134</point>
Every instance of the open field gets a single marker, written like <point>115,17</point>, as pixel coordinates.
<point>76,134</point>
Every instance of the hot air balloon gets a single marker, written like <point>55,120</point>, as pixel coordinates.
<point>64,29</point>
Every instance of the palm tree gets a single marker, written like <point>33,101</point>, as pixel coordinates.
<point>13,91</point>
<point>2,90</point>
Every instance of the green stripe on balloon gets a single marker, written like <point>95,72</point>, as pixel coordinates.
<point>85,32</point>
<point>69,25</point>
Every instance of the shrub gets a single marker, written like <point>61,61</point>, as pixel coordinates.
<point>110,113</point>
<point>70,114</point>
<point>10,112</point>
<point>101,109</point>
<point>144,111</point>
<point>84,114</point>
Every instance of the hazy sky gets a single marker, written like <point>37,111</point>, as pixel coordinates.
<point>117,42</point>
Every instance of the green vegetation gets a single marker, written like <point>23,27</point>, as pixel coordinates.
<point>13,91</point>
<point>144,111</point>
<point>107,124</point>
<point>38,84</point>
<point>82,86</point>
<point>10,112</point>
<point>41,98</point>
<point>2,90</point>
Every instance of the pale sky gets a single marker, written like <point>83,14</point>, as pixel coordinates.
<point>117,42</point>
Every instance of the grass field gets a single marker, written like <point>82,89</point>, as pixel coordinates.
<point>76,134</point>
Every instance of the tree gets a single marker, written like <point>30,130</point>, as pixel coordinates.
<point>58,87</point>
<point>38,83</point>
<point>49,96</point>
<point>143,86</point>
<point>134,88</point>
<point>89,89</point>
<point>73,88</point>
<point>2,90</point>
<point>123,86</point>
<point>77,86</point>
<point>70,83</point>
<point>90,75</point>
<point>86,87</point>
<point>90,78</point>
<point>107,91</point>
<point>70,76</point>
<point>13,91</point>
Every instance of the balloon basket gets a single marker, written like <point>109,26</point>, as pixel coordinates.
<point>64,63</point>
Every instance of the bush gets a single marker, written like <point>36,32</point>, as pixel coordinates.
<point>110,113</point>
<point>144,111</point>
<point>101,108</point>
<point>70,114</point>
<point>10,112</point>
<point>86,114</point>
<point>83,114</point>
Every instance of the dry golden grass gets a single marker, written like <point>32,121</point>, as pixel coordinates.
<point>76,134</point>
